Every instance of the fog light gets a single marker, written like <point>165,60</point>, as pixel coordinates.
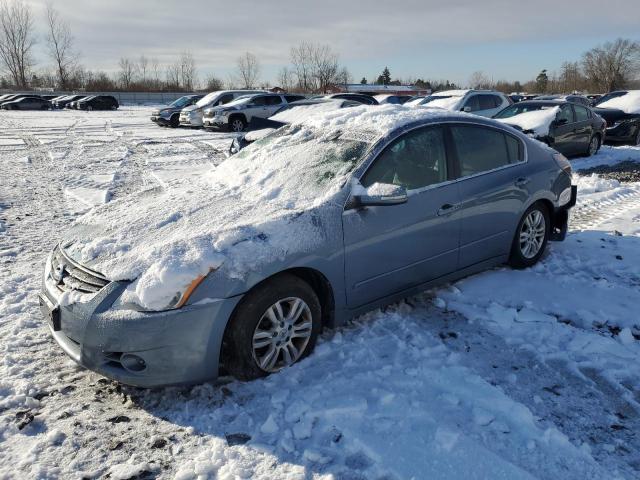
<point>133,363</point>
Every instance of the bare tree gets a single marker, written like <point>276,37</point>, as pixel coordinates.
<point>248,70</point>
<point>155,69</point>
<point>343,77</point>
<point>143,68</point>
<point>187,70</point>
<point>285,79</point>
<point>173,76</point>
<point>302,61</point>
<point>479,80</point>
<point>325,67</point>
<point>16,40</point>
<point>60,46</point>
<point>213,83</point>
<point>612,65</point>
<point>127,72</point>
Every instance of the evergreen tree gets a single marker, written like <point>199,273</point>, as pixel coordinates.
<point>542,80</point>
<point>385,77</point>
<point>363,81</point>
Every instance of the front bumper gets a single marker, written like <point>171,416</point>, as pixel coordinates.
<point>145,349</point>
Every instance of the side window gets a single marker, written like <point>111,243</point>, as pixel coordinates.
<point>274,100</point>
<point>226,98</point>
<point>566,112</point>
<point>259,101</point>
<point>473,103</point>
<point>582,114</point>
<point>293,98</point>
<point>486,102</point>
<point>415,160</point>
<point>482,149</point>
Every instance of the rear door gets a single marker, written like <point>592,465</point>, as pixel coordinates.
<point>389,249</point>
<point>257,107</point>
<point>583,128</point>
<point>490,166</point>
<point>274,103</point>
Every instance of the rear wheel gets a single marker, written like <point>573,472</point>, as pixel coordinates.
<point>594,145</point>
<point>274,326</point>
<point>89,108</point>
<point>175,120</point>
<point>531,237</point>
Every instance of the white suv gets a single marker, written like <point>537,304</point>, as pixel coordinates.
<point>236,115</point>
<point>485,103</point>
<point>192,116</point>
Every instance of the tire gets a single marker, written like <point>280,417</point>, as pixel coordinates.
<point>237,123</point>
<point>594,145</point>
<point>255,344</point>
<point>637,142</point>
<point>89,108</point>
<point>175,120</point>
<point>521,257</point>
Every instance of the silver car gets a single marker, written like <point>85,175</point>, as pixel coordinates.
<point>370,217</point>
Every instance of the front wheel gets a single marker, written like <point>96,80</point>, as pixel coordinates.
<point>175,121</point>
<point>274,326</point>
<point>531,237</point>
<point>237,124</point>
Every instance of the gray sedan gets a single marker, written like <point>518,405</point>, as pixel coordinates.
<point>429,198</point>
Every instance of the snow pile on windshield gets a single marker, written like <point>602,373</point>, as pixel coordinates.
<point>628,103</point>
<point>537,121</point>
<point>299,113</point>
<point>267,202</point>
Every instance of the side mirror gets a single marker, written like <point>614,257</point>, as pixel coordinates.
<point>379,195</point>
<point>467,109</point>
<point>561,121</point>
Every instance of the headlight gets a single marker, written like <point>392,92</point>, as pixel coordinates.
<point>126,301</point>
<point>564,197</point>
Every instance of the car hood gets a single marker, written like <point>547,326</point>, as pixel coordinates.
<point>163,238</point>
<point>536,122</point>
<point>190,108</point>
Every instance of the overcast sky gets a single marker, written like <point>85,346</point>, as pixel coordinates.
<point>416,38</point>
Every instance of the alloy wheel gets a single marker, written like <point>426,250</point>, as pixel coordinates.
<point>593,146</point>
<point>282,334</point>
<point>237,125</point>
<point>532,234</point>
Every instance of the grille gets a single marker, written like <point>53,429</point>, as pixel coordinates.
<point>69,275</point>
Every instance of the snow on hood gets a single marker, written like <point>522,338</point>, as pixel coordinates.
<point>628,103</point>
<point>538,121</point>
<point>261,205</point>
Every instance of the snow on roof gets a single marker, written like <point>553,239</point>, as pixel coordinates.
<point>297,113</point>
<point>538,121</point>
<point>369,87</point>
<point>628,103</point>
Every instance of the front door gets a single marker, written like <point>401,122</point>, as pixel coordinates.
<point>389,249</point>
<point>563,131</point>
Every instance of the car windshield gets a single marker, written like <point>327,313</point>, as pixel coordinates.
<point>181,102</point>
<point>207,99</point>
<point>314,157</point>
<point>519,108</point>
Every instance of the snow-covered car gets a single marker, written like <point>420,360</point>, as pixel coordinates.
<point>621,110</point>
<point>485,103</point>
<point>393,99</point>
<point>192,116</point>
<point>169,116</point>
<point>345,211</point>
<point>567,127</point>
<point>291,113</point>
<point>575,98</point>
<point>235,116</point>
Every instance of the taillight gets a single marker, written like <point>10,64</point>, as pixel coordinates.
<point>563,163</point>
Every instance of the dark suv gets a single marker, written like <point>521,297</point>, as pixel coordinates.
<point>99,102</point>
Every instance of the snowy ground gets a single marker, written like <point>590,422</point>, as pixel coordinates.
<point>530,374</point>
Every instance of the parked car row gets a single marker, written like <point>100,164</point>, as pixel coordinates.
<point>48,102</point>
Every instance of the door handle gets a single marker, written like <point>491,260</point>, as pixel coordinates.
<point>448,208</point>
<point>521,182</point>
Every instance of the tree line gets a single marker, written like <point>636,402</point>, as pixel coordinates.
<point>313,67</point>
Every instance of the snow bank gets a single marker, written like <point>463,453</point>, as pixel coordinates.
<point>629,103</point>
<point>538,121</point>
<point>300,113</point>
